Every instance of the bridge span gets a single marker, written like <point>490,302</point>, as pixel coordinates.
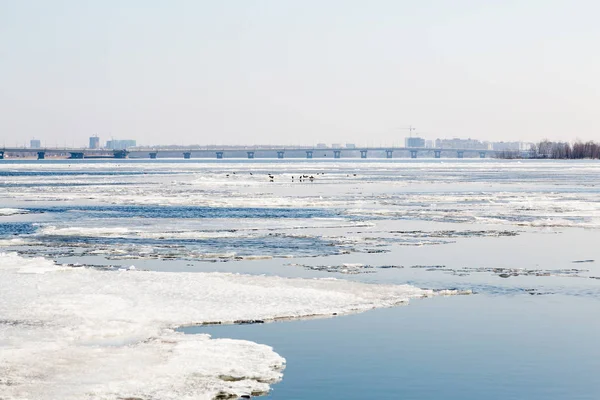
<point>247,152</point>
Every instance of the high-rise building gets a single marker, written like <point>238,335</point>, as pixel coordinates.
<point>462,144</point>
<point>35,143</point>
<point>120,144</point>
<point>414,142</point>
<point>511,146</point>
<point>94,142</point>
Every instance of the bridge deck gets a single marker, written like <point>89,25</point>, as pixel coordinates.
<point>251,152</point>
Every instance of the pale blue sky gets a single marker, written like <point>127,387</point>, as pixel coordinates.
<point>298,72</point>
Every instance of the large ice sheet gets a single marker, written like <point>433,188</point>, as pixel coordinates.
<point>80,333</point>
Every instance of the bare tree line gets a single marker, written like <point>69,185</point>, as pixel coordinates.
<point>556,150</point>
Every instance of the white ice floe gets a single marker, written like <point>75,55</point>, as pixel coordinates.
<point>239,229</point>
<point>4,212</point>
<point>257,257</point>
<point>13,242</point>
<point>83,231</point>
<point>80,333</point>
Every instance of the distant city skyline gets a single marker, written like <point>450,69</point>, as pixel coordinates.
<point>297,72</point>
<point>413,141</point>
<point>96,142</point>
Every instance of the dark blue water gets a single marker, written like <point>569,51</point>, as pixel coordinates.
<point>59,184</point>
<point>8,229</point>
<point>459,348</point>
<point>274,244</point>
<point>185,212</point>
<point>15,173</point>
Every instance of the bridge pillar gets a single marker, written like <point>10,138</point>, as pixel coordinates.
<point>363,154</point>
<point>76,155</point>
<point>153,155</point>
<point>413,154</point>
<point>280,154</point>
<point>250,154</point>
<point>337,154</point>
<point>482,154</point>
<point>1,155</point>
<point>187,155</point>
<point>437,153</point>
<point>120,153</point>
<point>309,153</point>
<point>460,154</point>
<point>41,155</point>
<point>389,153</point>
<point>219,155</point>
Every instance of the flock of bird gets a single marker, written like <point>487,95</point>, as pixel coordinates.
<point>301,178</point>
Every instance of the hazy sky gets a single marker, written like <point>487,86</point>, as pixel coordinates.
<point>298,72</point>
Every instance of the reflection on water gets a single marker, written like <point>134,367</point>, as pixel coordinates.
<point>474,347</point>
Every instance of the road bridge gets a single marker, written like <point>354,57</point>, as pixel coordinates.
<point>247,152</point>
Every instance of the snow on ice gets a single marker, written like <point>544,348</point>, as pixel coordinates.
<point>80,333</point>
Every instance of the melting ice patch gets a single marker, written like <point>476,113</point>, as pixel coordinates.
<point>127,243</point>
<point>12,211</point>
<point>84,231</point>
<point>347,268</point>
<point>205,240</point>
<point>79,333</point>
